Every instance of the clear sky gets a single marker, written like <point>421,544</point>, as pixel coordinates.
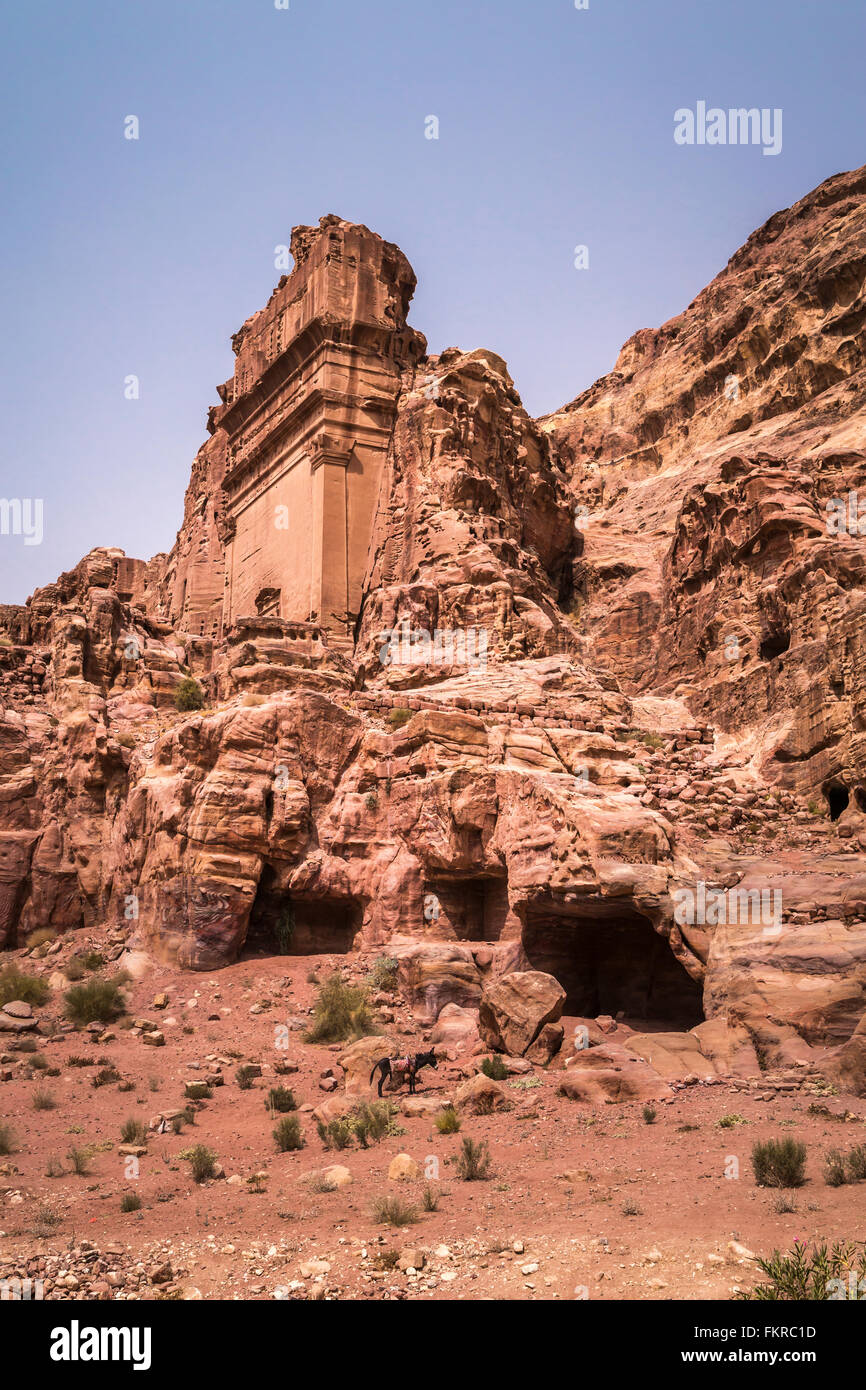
<point>556,129</point>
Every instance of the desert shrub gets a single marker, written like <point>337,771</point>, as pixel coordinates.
<point>80,1160</point>
<point>393,1211</point>
<point>473,1161</point>
<point>631,1209</point>
<point>336,1134</point>
<point>284,931</point>
<point>133,1131</point>
<point>130,1201</point>
<point>74,970</point>
<point>40,937</point>
<point>779,1163</point>
<point>47,1219</point>
<point>43,1100</point>
<point>281,1100</point>
<point>371,1121</point>
<point>387,1259</point>
<point>106,1076</point>
<point>287,1134</point>
<point>14,984</point>
<point>430,1198</point>
<point>176,1124</point>
<point>77,1060</point>
<point>650,1114</point>
<point>202,1162</point>
<point>843,1168</point>
<point>383,974</point>
<point>24,1045</point>
<point>8,1143</point>
<point>340,1012</point>
<point>39,1062</point>
<point>54,1168</point>
<point>188,695</point>
<point>244,1076</point>
<point>447,1121</point>
<point>97,1001</point>
<point>495,1068</point>
<point>784,1205</point>
<point>320,1184</point>
<point>92,960</point>
<point>731,1121</point>
<point>806,1274</point>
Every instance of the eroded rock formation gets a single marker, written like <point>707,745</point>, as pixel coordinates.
<point>492,694</point>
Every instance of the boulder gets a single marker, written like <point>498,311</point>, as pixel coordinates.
<point>480,1094</point>
<point>515,1008</point>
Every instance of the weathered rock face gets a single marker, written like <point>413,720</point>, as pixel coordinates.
<point>444,722</point>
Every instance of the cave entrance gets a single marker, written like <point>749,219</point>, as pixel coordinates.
<point>288,925</point>
<point>836,794</point>
<point>609,959</point>
<point>474,908</point>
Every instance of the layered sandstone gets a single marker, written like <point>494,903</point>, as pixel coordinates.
<point>667,693</point>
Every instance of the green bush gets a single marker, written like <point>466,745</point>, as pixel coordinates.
<point>244,1076</point>
<point>130,1201</point>
<point>340,1012</point>
<point>287,1134</point>
<point>399,716</point>
<point>43,1100</point>
<point>281,1100</point>
<point>14,984</point>
<point>650,1114</point>
<point>188,695</point>
<point>384,974</point>
<point>202,1162</point>
<point>495,1068</point>
<point>393,1211</point>
<point>448,1121</point>
<point>473,1161</point>
<point>97,1001</point>
<point>779,1163</point>
<point>133,1131</point>
<point>805,1274</point>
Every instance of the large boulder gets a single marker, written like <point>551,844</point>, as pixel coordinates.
<point>480,1094</point>
<point>611,1073</point>
<point>673,1055</point>
<point>456,1031</point>
<point>515,1008</point>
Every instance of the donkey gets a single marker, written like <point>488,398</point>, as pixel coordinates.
<point>399,1068</point>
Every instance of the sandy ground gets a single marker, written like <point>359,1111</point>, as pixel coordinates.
<point>581,1202</point>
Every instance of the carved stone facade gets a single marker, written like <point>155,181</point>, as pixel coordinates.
<point>303,431</point>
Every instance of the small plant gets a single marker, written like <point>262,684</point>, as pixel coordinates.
<point>818,1275</point>
<point>430,1198</point>
<point>336,1134</point>
<point>74,970</point>
<point>41,937</point>
<point>47,1219</point>
<point>133,1131</point>
<point>76,1060</point>
<point>244,1076</point>
<point>387,1259</point>
<point>188,695</point>
<point>383,976</point>
<point>106,1076</point>
<point>399,716</point>
<point>54,1168</point>
<point>447,1121</point>
<point>779,1163</point>
<point>687,1129</point>
<point>473,1161</point>
<point>731,1121</point>
<point>393,1211</point>
<point>14,984</point>
<point>130,1201</point>
<point>97,1001</point>
<point>80,1160</point>
<point>287,1134</point>
<point>650,1114</point>
<point>844,1168</point>
<point>371,801</point>
<point>284,931</point>
<point>495,1068</point>
<point>320,1184</point>
<point>8,1142</point>
<point>784,1205</point>
<point>340,1012</point>
<point>631,1209</point>
<point>280,1100</point>
<point>43,1100</point>
<point>202,1162</point>
<point>92,960</point>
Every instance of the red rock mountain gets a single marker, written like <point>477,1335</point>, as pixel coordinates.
<point>485,691</point>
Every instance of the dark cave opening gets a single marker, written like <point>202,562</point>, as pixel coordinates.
<point>284,924</point>
<point>473,907</point>
<point>836,794</point>
<point>774,645</point>
<point>609,959</point>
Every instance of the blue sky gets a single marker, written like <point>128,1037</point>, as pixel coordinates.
<point>556,129</point>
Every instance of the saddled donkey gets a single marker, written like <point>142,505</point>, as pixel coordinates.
<point>398,1068</point>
